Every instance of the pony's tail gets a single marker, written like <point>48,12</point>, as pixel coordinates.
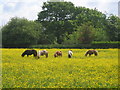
<point>35,53</point>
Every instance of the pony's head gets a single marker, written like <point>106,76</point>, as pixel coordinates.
<point>58,53</point>
<point>23,54</point>
<point>86,54</point>
<point>95,53</point>
<point>55,55</point>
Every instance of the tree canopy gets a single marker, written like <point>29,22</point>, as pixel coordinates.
<point>61,19</point>
<point>20,32</point>
<point>56,11</point>
<point>62,23</point>
<point>113,28</point>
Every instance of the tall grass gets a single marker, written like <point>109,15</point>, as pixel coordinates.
<point>78,72</point>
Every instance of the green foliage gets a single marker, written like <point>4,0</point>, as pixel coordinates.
<point>62,19</point>
<point>20,32</point>
<point>86,33</point>
<point>56,31</point>
<point>104,44</point>
<point>62,23</point>
<point>55,19</point>
<point>97,18</point>
<point>113,28</point>
<point>94,44</point>
<point>101,35</point>
<point>56,11</point>
<point>72,38</point>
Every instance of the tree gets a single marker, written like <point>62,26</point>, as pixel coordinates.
<point>55,19</point>
<point>72,38</point>
<point>97,18</point>
<point>113,28</point>
<point>19,32</point>
<point>86,33</point>
<point>101,34</point>
<point>61,19</point>
<point>56,11</point>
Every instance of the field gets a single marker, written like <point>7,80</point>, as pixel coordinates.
<point>78,72</point>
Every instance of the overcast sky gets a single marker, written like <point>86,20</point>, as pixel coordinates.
<point>30,8</point>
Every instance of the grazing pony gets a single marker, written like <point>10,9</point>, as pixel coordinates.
<point>58,53</point>
<point>29,52</point>
<point>43,52</point>
<point>70,53</point>
<point>90,52</point>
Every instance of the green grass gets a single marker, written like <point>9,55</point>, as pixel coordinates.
<point>61,72</point>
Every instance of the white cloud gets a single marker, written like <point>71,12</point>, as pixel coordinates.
<point>30,8</point>
<point>1,8</point>
<point>19,8</point>
<point>109,6</point>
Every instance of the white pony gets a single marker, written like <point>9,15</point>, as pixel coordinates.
<point>70,53</point>
<point>41,53</point>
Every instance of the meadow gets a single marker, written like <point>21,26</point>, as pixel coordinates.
<point>62,72</point>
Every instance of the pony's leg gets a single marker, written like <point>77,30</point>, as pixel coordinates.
<point>38,57</point>
<point>46,55</point>
<point>89,55</point>
<point>69,56</point>
<point>61,55</point>
<point>95,53</point>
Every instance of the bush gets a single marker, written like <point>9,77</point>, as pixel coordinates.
<point>105,44</point>
<point>80,46</point>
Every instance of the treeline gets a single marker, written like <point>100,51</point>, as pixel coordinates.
<point>61,23</point>
<point>95,45</point>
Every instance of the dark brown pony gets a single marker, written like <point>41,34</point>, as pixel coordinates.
<point>29,52</point>
<point>58,53</point>
<point>90,52</point>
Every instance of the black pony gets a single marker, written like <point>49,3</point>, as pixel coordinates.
<point>29,52</point>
